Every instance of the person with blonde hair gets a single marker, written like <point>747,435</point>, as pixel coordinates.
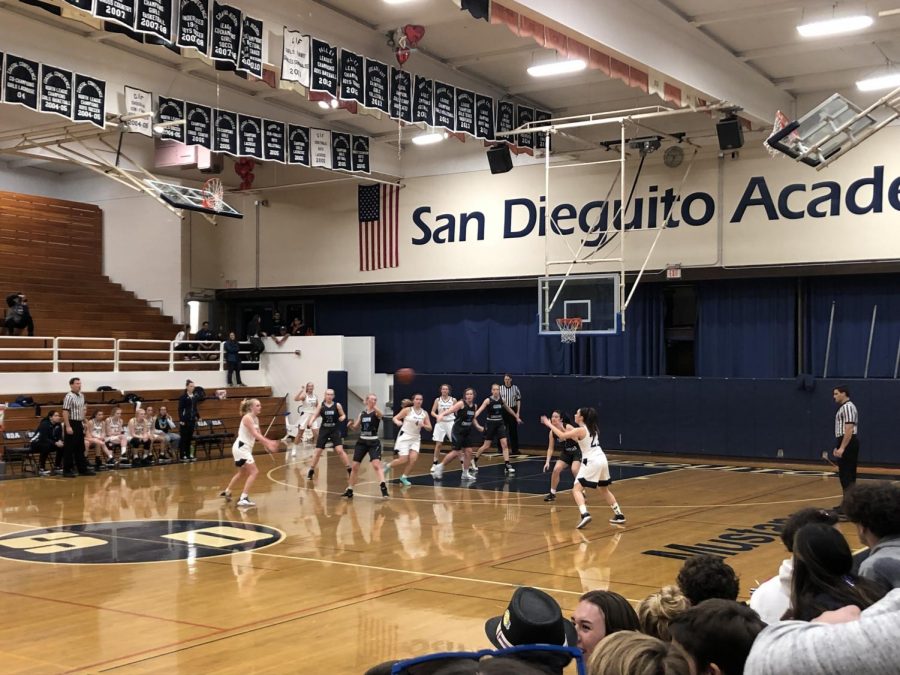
<point>658,609</point>
<point>242,450</point>
<point>631,653</point>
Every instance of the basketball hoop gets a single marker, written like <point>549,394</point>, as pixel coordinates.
<point>215,194</point>
<point>568,326</point>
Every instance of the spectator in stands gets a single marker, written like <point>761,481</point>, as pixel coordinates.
<point>207,344</point>
<point>233,359</point>
<point>297,327</point>
<point>631,653</point>
<point>835,643</point>
<point>773,597</point>
<point>823,577</point>
<point>95,437</point>
<point>281,335</point>
<point>602,613</point>
<point>139,438</point>
<point>179,344</point>
<point>188,414</point>
<point>875,510</point>
<point>116,437</point>
<point>276,323</point>
<point>165,427</point>
<point>49,438</point>
<point>255,335</point>
<point>707,576</point>
<point>657,610</point>
<point>18,316</point>
<point>717,634</point>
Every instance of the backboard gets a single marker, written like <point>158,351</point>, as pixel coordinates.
<point>188,198</point>
<point>594,298</point>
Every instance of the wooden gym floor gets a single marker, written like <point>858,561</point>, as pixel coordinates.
<point>338,586</point>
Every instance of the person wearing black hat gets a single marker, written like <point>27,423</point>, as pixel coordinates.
<point>533,618</point>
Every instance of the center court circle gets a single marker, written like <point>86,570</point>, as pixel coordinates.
<point>136,541</point>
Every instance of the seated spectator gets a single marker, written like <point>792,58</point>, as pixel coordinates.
<point>139,438</point>
<point>875,510</point>
<point>18,316</point>
<point>49,438</point>
<point>179,344</point>
<point>95,437</point>
<point>632,653</point>
<point>773,597</point>
<point>207,344</point>
<point>254,336</point>
<point>281,335</point>
<point>116,436</point>
<point>657,610</point>
<point>297,327</point>
<point>834,643</point>
<point>717,634</point>
<point>823,575</point>
<point>233,359</point>
<point>706,576</point>
<point>164,427</point>
<point>533,617</point>
<point>602,613</point>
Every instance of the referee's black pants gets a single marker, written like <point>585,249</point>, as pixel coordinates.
<point>512,431</point>
<point>847,463</point>
<point>73,449</point>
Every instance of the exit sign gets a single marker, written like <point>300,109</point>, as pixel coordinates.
<point>673,272</point>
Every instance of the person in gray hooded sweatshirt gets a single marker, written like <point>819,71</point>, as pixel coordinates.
<point>874,507</point>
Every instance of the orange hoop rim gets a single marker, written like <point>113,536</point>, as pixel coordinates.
<point>569,323</point>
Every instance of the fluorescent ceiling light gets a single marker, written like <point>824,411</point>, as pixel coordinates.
<point>429,139</point>
<point>557,68</point>
<point>888,81</point>
<point>324,104</point>
<point>334,103</point>
<point>845,24</point>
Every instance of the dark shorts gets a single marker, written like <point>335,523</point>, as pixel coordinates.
<point>464,437</point>
<point>570,456</point>
<point>364,447</point>
<point>495,431</point>
<point>138,443</point>
<point>327,434</point>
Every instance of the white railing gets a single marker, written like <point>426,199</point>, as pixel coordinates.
<point>76,352</point>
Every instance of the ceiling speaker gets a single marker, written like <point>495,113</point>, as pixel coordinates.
<point>499,158</point>
<point>730,133</point>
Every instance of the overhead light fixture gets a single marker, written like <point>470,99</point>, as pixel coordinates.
<point>557,68</point>
<point>430,138</point>
<point>846,24</point>
<point>334,103</point>
<point>324,105</point>
<point>887,81</point>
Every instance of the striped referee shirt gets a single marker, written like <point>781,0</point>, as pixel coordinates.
<point>846,414</point>
<point>510,395</point>
<point>74,403</point>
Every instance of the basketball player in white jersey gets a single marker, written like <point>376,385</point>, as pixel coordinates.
<point>116,437</point>
<point>594,471</point>
<point>242,450</point>
<point>443,428</point>
<point>95,437</point>
<point>308,403</point>
<point>410,419</point>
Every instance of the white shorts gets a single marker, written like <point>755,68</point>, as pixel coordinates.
<point>242,453</point>
<point>443,431</point>
<point>405,444</point>
<point>304,416</point>
<point>594,471</point>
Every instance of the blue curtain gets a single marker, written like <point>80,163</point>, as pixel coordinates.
<point>854,299</point>
<point>746,328</point>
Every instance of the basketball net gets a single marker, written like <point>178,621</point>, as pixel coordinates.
<point>215,194</point>
<point>568,327</point>
<point>781,121</point>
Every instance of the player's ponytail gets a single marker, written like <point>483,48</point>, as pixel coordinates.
<point>589,415</point>
<point>405,403</point>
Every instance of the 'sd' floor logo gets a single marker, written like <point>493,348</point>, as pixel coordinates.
<point>136,541</point>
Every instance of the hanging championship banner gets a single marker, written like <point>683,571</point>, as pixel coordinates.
<point>320,148</point>
<point>540,138</point>
<point>84,5</point>
<point>226,34</point>
<point>250,136</point>
<point>139,102</point>
<point>56,91</point>
<point>198,125</point>
<point>352,77</point>
<point>20,81</point>
<point>295,57</point>
<point>376,85</point>
<point>193,25</point>
<point>273,141</point>
<point>154,17</point>
<point>341,159</point>
<point>361,154</point>
<point>465,111</point>
<point>484,117</point>
<point>423,100</point>
<point>445,106</point>
<point>524,115</point>
<point>401,95</point>
<point>251,56</point>
<point>171,110</point>
<point>323,67</point>
<point>225,132</point>
<point>90,100</point>
<point>506,120</point>
<point>298,145</point>
<point>119,11</point>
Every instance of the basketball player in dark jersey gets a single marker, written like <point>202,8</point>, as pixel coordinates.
<point>368,444</point>
<point>495,428</point>
<point>569,453</point>
<point>463,436</point>
<point>332,415</point>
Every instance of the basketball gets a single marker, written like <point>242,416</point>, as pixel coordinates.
<point>405,375</point>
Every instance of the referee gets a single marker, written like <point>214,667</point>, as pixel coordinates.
<point>73,425</point>
<point>513,398</point>
<point>846,441</point>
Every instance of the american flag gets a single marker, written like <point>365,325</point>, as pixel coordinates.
<point>378,227</point>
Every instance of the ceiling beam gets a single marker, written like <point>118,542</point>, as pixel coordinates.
<point>820,45</point>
